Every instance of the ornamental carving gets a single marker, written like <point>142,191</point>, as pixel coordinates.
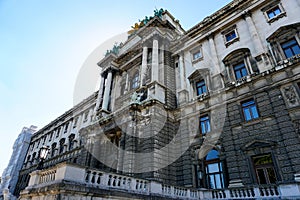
<point>290,95</point>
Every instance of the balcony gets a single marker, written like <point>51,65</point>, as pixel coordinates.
<point>72,181</point>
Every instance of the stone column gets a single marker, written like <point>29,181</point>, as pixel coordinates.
<point>254,34</point>
<point>214,55</point>
<point>107,89</point>
<point>182,73</point>
<point>100,93</point>
<point>144,66</point>
<point>155,60</point>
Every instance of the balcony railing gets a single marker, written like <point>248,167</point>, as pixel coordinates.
<point>109,181</point>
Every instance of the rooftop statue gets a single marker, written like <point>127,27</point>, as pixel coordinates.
<point>115,49</point>
<point>137,26</point>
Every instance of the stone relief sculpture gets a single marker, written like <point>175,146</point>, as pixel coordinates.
<point>290,96</point>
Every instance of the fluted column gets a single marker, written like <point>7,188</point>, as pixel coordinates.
<point>254,34</point>
<point>144,66</point>
<point>214,55</point>
<point>100,93</point>
<point>155,60</point>
<point>107,89</point>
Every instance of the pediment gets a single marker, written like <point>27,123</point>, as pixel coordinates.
<point>258,144</point>
<point>199,73</point>
<point>283,30</point>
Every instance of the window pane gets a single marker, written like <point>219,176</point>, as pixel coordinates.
<point>277,11</point>
<point>244,72</point>
<point>271,175</point>
<point>203,128</point>
<point>254,112</point>
<point>218,181</point>
<point>296,49</point>
<point>247,114</point>
<point>208,126</point>
<point>212,182</point>
<point>288,53</point>
<point>213,154</point>
<point>261,176</point>
<point>212,168</point>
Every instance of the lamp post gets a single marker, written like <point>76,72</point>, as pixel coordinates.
<point>43,154</point>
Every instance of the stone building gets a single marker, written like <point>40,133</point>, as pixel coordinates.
<point>11,173</point>
<point>207,113</point>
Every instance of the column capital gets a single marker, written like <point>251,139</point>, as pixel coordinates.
<point>246,14</point>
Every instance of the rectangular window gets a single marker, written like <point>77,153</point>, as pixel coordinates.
<point>204,124</point>
<point>240,70</point>
<point>201,87</point>
<point>230,36</point>
<point>197,55</point>
<point>290,48</point>
<point>57,132</point>
<point>250,110</point>
<point>66,127</point>
<point>264,168</point>
<point>273,12</point>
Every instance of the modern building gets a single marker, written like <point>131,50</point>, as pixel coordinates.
<point>11,173</point>
<point>206,113</point>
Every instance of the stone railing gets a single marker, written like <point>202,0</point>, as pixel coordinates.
<point>267,191</point>
<point>78,175</point>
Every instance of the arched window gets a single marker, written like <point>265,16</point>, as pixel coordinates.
<point>214,170</point>
<point>135,80</point>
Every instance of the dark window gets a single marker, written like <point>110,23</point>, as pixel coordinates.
<point>61,145</point>
<point>240,70</point>
<point>264,169</point>
<point>230,36</point>
<point>214,171</point>
<point>273,12</point>
<point>250,110</point>
<point>57,132</point>
<point>290,48</point>
<point>204,124</point>
<point>66,127</point>
<point>201,87</point>
<point>71,141</point>
<point>135,81</point>
<point>53,147</point>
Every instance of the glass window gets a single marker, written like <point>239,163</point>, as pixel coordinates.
<point>264,169</point>
<point>230,36</point>
<point>135,81</point>
<point>214,170</point>
<point>201,87</point>
<point>249,110</point>
<point>290,48</point>
<point>204,124</point>
<point>197,55</point>
<point>275,11</point>
<point>240,70</point>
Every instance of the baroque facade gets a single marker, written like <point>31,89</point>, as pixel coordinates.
<point>207,113</point>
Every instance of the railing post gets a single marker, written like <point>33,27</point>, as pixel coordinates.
<point>34,178</point>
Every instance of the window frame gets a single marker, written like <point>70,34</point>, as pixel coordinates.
<point>205,119</point>
<point>203,87</point>
<point>225,33</point>
<point>290,46</point>
<point>264,167</point>
<point>135,81</point>
<point>194,51</point>
<point>266,10</point>
<point>240,69</point>
<point>220,172</point>
<point>249,107</point>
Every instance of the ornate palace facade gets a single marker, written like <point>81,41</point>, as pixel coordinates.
<point>207,113</point>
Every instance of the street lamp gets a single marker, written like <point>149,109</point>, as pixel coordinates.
<point>43,154</point>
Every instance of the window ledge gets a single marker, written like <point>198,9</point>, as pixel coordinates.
<point>283,14</point>
<point>203,96</point>
<point>197,60</point>
<point>252,121</point>
<point>290,61</point>
<point>228,43</point>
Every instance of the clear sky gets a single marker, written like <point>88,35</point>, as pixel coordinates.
<point>43,45</point>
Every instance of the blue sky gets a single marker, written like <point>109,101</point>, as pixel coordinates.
<point>43,45</point>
